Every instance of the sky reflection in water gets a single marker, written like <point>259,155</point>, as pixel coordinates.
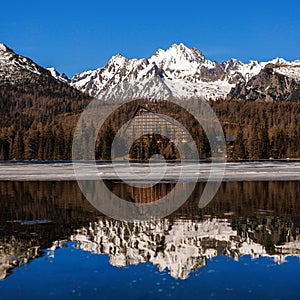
<point>245,244</point>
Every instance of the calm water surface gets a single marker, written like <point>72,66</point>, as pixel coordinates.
<point>245,244</point>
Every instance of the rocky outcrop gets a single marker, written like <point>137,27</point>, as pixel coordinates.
<point>276,82</point>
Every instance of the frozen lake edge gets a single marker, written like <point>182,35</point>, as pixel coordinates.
<point>64,171</point>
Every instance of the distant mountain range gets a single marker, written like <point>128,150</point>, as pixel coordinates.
<point>178,72</point>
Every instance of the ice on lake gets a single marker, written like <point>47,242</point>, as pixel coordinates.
<point>190,171</point>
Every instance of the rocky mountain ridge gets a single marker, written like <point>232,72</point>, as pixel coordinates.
<point>181,72</point>
<point>275,82</point>
<point>178,72</point>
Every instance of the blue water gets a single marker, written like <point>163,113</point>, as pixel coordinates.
<point>257,218</point>
<point>74,273</point>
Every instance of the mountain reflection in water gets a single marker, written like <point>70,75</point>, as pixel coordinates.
<point>245,218</point>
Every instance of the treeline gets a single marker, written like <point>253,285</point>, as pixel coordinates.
<point>25,106</point>
<point>253,130</point>
<point>44,143</point>
<point>148,145</point>
<point>261,129</point>
<point>38,120</point>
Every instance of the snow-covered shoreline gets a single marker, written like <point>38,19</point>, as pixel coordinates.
<point>235,171</point>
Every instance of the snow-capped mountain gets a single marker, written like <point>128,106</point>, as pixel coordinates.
<point>15,68</point>
<point>59,76</point>
<point>123,78</point>
<point>279,80</point>
<point>175,72</point>
<point>178,72</point>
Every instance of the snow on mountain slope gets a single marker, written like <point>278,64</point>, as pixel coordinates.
<point>279,80</point>
<point>289,69</point>
<point>136,78</point>
<point>122,78</point>
<point>178,72</point>
<point>13,66</point>
<point>238,71</point>
<point>180,62</point>
<point>92,82</point>
<point>181,88</point>
<point>59,76</point>
<point>175,72</point>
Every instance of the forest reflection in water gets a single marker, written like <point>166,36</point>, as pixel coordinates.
<point>245,218</point>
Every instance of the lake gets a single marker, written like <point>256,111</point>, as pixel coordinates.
<point>244,244</point>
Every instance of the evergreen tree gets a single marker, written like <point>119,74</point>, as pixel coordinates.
<point>107,140</point>
<point>239,151</point>
<point>18,146</point>
<point>59,144</point>
<point>31,145</point>
<point>253,143</point>
<point>49,144</point>
<point>264,139</point>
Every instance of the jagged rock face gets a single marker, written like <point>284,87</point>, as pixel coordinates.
<point>123,78</point>
<point>22,71</point>
<point>276,82</point>
<point>15,68</point>
<point>59,76</point>
<point>180,72</point>
<point>180,62</point>
<point>177,72</point>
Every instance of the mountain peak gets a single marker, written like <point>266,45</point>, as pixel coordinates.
<point>118,56</point>
<point>278,61</point>
<point>117,59</point>
<point>180,46</point>
<point>178,56</point>
<point>179,49</point>
<point>177,71</point>
<point>174,48</point>
<point>4,48</point>
<point>59,76</point>
<point>53,71</point>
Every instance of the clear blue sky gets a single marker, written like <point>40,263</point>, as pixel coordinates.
<point>74,36</point>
